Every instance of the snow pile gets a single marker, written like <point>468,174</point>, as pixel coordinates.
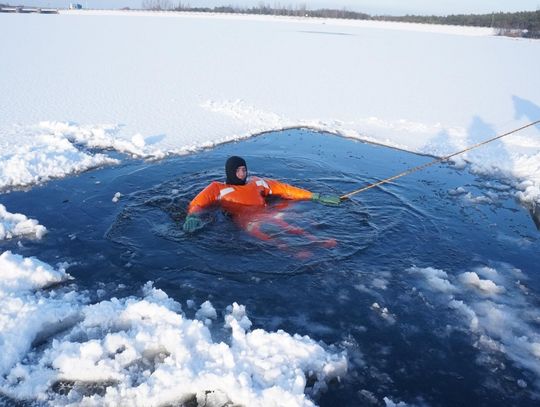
<point>494,306</point>
<point>144,351</point>
<point>25,314</point>
<point>17,224</point>
<point>25,274</point>
<point>101,137</point>
<point>36,156</point>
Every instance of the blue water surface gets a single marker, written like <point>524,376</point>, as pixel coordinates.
<point>420,351</point>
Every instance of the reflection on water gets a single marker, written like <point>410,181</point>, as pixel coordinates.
<point>404,340</point>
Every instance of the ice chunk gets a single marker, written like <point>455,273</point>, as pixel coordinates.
<point>436,279</point>
<point>206,311</point>
<point>16,224</point>
<point>19,273</point>
<point>486,286</point>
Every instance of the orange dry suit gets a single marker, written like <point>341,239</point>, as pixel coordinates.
<point>244,203</point>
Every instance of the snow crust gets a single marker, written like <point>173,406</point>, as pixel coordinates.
<point>144,350</point>
<point>100,137</point>
<point>34,154</point>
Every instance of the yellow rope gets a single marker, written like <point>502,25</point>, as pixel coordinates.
<point>438,160</point>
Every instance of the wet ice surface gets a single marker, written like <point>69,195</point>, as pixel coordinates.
<point>431,287</point>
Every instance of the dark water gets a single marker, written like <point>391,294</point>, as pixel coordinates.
<point>422,353</point>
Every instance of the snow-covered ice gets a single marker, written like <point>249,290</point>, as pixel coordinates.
<point>196,80</point>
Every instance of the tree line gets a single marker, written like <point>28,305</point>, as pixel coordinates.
<point>520,24</point>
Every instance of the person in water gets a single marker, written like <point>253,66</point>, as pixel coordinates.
<point>243,199</point>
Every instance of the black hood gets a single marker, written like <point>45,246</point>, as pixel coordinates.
<point>231,166</point>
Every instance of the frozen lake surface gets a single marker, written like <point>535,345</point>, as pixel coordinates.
<point>431,288</point>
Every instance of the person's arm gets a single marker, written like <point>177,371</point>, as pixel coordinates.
<point>289,192</point>
<point>207,197</point>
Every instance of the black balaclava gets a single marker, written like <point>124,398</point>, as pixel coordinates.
<point>231,166</point>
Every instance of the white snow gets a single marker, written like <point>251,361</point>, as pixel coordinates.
<point>16,224</point>
<point>197,80</point>
<point>102,137</point>
<point>24,313</point>
<point>388,25</point>
<point>145,350</point>
<point>24,274</point>
<point>33,154</point>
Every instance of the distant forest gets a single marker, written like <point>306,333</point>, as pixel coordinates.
<point>520,24</point>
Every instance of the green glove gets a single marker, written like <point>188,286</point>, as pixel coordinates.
<point>192,223</point>
<point>331,200</point>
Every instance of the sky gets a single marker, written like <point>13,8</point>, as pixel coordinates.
<point>391,7</point>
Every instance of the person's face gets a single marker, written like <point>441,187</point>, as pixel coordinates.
<point>241,173</point>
